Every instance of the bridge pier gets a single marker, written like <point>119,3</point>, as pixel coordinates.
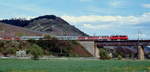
<point>96,51</point>
<point>140,53</point>
<point>91,47</point>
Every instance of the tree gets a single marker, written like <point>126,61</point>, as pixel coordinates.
<point>36,51</point>
<point>8,47</point>
<point>47,37</point>
<point>104,54</point>
<point>119,57</point>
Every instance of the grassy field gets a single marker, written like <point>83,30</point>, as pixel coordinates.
<point>73,65</point>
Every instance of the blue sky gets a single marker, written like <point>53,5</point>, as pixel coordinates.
<point>94,17</point>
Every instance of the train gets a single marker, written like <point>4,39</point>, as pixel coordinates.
<point>102,38</point>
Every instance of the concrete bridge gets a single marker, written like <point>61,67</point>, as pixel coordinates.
<point>92,46</point>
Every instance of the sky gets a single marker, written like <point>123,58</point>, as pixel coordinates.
<point>94,17</point>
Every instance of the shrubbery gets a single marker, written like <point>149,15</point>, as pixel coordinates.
<point>104,54</point>
<point>49,46</point>
<point>36,51</point>
<point>119,57</point>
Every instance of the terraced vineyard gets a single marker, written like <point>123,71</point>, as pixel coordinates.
<point>73,65</point>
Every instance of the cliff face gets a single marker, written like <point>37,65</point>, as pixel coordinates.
<point>47,24</point>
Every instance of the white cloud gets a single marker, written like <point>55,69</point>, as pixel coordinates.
<point>91,26</point>
<point>108,22</point>
<point>144,18</point>
<point>146,5</point>
<point>117,19</point>
<point>23,16</point>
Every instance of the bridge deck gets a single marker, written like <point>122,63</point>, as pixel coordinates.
<point>124,43</point>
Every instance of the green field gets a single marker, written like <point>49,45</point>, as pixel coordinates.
<point>73,65</point>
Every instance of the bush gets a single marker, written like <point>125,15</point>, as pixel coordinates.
<point>104,54</point>
<point>119,57</point>
<point>8,47</point>
<point>36,51</point>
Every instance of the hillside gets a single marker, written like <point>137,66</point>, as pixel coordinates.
<point>7,30</point>
<point>47,24</point>
<point>10,30</point>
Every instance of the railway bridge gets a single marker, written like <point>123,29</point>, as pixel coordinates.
<point>124,43</point>
<point>92,46</point>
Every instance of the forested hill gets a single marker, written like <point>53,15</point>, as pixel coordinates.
<point>47,24</point>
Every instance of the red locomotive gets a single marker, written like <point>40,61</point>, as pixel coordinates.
<point>119,37</point>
